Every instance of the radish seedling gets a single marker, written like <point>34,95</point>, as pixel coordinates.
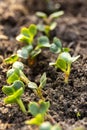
<point>14,93</point>
<point>38,89</point>
<point>16,73</point>
<point>48,22</point>
<point>64,62</point>
<point>39,111</point>
<point>27,34</point>
<point>31,50</point>
<point>56,46</point>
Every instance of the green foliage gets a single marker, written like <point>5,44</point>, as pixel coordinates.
<point>11,59</point>
<point>48,22</point>
<point>31,50</point>
<point>38,89</point>
<point>56,46</point>
<point>14,93</point>
<point>64,62</point>
<point>39,119</point>
<point>41,14</point>
<point>27,34</point>
<point>38,110</point>
<point>16,73</point>
<point>48,126</point>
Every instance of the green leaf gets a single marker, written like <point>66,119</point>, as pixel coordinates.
<point>41,108</point>
<point>23,53</point>
<point>66,49</point>
<point>18,65</point>
<point>43,80</point>
<point>12,78</point>
<point>33,108</point>
<point>29,48</point>
<point>73,59</point>
<point>57,42</point>
<point>41,14</point>
<point>32,30</point>
<point>45,126</point>
<point>32,85</point>
<point>66,57</point>
<point>60,63</point>
<point>47,30</point>
<point>25,31</point>
<point>56,46</point>
<point>12,98</point>
<point>53,26</point>
<point>41,27</point>
<point>10,72</point>
<point>34,53</point>
<point>56,14</point>
<point>39,119</point>
<point>22,38</point>
<point>43,41</point>
<point>17,85</point>
<point>7,90</point>
<point>44,106</point>
<point>11,59</point>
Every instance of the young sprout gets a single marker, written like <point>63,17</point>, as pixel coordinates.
<point>64,62</point>
<point>56,46</point>
<point>48,126</point>
<point>38,89</point>
<point>11,59</point>
<point>31,51</point>
<point>14,93</point>
<point>16,73</point>
<point>39,111</point>
<point>48,24</point>
<point>27,34</point>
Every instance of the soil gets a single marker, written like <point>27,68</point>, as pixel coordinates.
<point>66,100</point>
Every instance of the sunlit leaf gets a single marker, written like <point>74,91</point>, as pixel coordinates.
<point>43,80</point>
<point>45,126</point>
<point>32,30</point>
<point>39,119</point>
<point>41,14</point>
<point>43,41</point>
<point>18,65</point>
<point>56,14</point>
<point>23,53</point>
<point>11,59</point>
<point>53,26</point>
<point>32,85</point>
<point>13,98</point>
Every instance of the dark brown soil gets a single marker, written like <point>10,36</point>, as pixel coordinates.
<point>66,100</point>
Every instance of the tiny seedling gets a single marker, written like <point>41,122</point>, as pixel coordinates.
<point>14,93</point>
<point>10,60</point>
<point>27,34</point>
<point>48,24</point>
<point>39,111</point>
<point>31,50</point>
<point>64,62</point>
<point>38,89</point>
<point>48,126</point>
<point>16,73</point>
<point>56,46</point>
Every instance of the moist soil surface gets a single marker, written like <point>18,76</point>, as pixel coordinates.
<point>66,100</point>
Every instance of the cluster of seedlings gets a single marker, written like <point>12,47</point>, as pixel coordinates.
<point>16,78</point>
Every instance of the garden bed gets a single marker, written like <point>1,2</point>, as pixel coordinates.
<point>66,100</point>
